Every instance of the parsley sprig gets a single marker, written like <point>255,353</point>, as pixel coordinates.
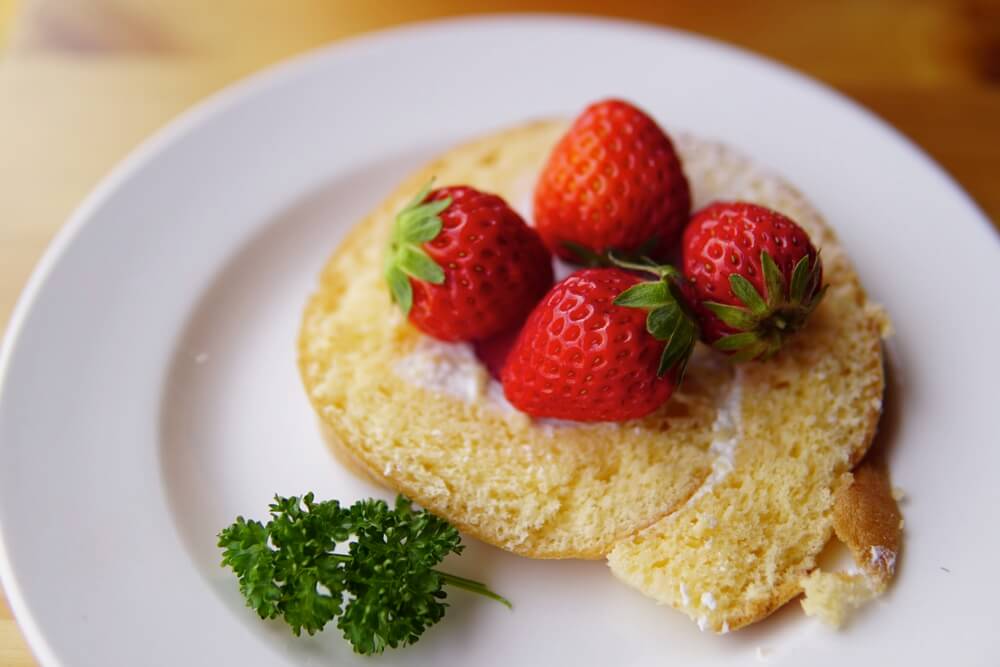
<point>384,590</point>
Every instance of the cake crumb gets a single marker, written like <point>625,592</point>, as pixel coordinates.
<point>763,653</point>
<point>898,494</point>
<point>831,595</point>
<point>885,324</point>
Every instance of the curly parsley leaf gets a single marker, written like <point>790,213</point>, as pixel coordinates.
<point>384,590</point>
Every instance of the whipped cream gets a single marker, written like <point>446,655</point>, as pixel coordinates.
<point>726,437</point>
<point>454,369</point>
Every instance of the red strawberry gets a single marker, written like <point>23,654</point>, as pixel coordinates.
<point>753,277</point>
<point>612,182</point>
<point>463,265</point>
<point>586,352</point>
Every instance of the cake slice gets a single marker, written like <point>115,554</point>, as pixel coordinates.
<point>718,503</point>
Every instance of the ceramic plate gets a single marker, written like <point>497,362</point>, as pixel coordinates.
<point>149,389</point>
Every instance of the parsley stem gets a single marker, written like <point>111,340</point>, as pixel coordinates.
<point>472,586</point>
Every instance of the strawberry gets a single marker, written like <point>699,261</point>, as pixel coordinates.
<point>590,351</point>
<point>753,277</point>
<point>612,182</point>
<point>463,265</point>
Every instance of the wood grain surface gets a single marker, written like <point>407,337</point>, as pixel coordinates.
<point>83,81</point>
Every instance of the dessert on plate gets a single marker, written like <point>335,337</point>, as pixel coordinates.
<point>453,352</point>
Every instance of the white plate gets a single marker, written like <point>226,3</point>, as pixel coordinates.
<point>149,391</point>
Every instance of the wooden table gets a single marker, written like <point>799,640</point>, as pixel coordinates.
<point>83,81</point>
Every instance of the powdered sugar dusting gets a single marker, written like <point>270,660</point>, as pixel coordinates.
<point>454,369</point>
<point>685,598</point>
<point>883,558</point>
<point>449,368</point>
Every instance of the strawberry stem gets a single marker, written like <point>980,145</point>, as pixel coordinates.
<point>668,318</point>
<point>645,265</point>
<point>418,223</point>
<point>764,322</point>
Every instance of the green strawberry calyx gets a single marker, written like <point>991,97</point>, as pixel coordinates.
<point>668,318</point>
<point>418,223</point>
<point>764,323</point>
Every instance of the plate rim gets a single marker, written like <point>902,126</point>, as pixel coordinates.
<point>256,83</point>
